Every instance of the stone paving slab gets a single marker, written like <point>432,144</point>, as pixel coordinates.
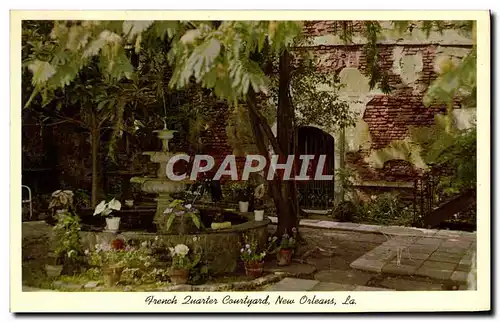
<point>294,269</point>
<point>394,230</point>
<point>436,273</point>
<point>369,265</point>
<point>292,284</point>
<point>406,284</point>
<point>353,277</point>
<point>34,289</point>
<point>393,268</point>
<point>362,288</point>
<point>459,276</point>
<point>297,285</point>
<point>435,257</point>
<point>333,287</point>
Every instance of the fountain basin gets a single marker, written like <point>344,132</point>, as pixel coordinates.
<point>221,248</point>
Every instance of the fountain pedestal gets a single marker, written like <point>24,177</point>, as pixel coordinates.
<point>161,185</point>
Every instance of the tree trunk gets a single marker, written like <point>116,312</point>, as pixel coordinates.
<point>281,204</point>
<point>286,140</point>
<point>284,193</point>
<point>342,164</point>
<point>94,133</point>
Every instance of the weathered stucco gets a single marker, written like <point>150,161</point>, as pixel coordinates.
<point>390,35</point>
<point>412,61</point>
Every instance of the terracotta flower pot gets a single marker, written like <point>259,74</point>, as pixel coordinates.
<point>284,257</point>
<point>112,275</point>
<point>179,276</point>
<point>254,269</point>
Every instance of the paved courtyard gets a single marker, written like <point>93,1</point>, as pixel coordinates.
<point>352,257</point>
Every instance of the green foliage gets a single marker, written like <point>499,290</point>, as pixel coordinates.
<point>371,50</point>
<point>286,241</point>
<point>459,82</point>
<point>345,177</point>
<point>82,199</point>
<point>178,209</point>
<point>315,96</point>
<point>68,248</point>
<point>117,254</point>
<point>446,146</point>
<point>345,211</point>
<point>218,57</point>
<point>385,209</point>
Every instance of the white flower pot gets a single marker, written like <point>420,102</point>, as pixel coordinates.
<point>113,223</point>
<point>243,206</point>
<point>259,215</point>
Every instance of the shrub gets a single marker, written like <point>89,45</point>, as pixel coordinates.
<point>385,209</point>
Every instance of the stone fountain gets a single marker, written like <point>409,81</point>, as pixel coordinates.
<point>161,184</point>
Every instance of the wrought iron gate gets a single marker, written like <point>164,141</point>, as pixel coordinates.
<point>316,194</point>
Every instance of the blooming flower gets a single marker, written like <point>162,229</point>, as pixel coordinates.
<point>156,238</point>
<point>144,244</point>
<point>167,211</point>
<point>117,244</point>
<point>87,252</point>
<point>189,206</point>
<point>249,251</point>
<point>181,250</point>
<point>247,246</point>
<point>294,230</point>
<point>242,250</point>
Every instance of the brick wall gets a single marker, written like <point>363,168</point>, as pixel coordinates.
<point>388,116</point>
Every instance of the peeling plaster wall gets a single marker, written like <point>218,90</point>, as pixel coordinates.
<point>379,139</point>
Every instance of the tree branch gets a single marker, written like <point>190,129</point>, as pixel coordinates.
<point>264,125</point>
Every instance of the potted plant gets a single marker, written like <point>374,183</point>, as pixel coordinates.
<point>106,209</point>
<point>61,201</point>
<point>112,258</point>
<point>286,248</point>
<point>252,259</point>
<point>259,194</point>
<point>67,246</point>
<point>181,264</point>
<point>240,192</point>
<point>180,212</point>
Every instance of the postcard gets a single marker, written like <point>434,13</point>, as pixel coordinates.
<point>250,161</point>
